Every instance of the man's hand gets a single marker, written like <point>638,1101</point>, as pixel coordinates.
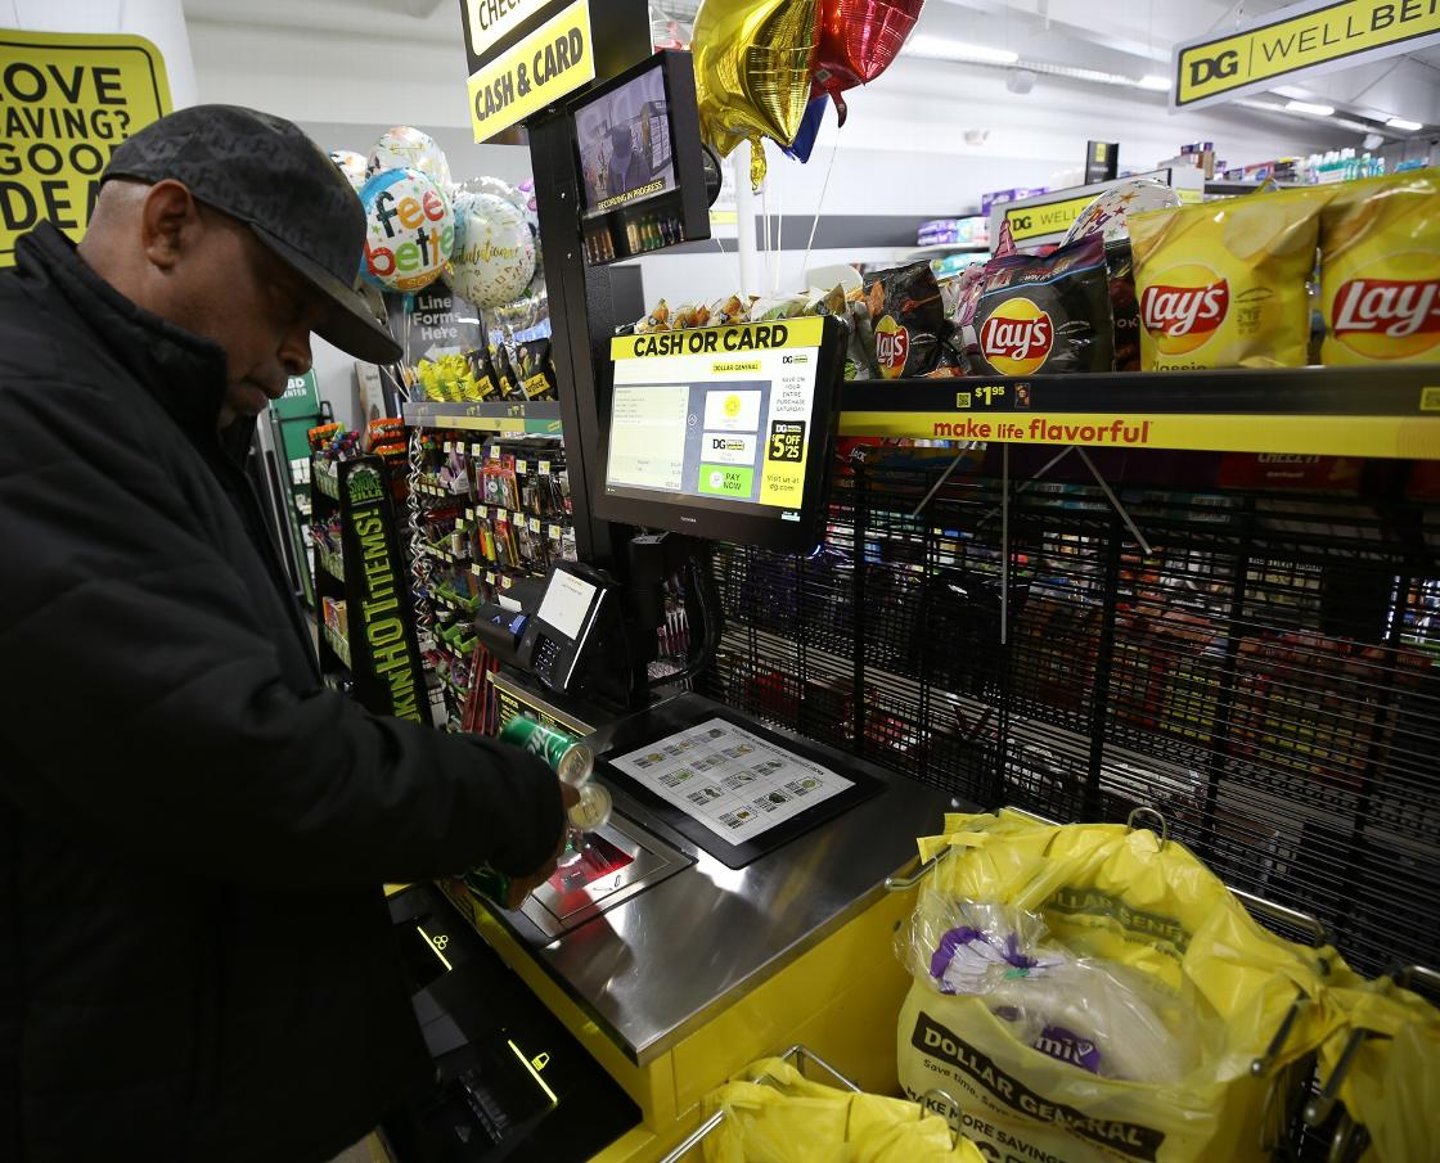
<point>523,886</point>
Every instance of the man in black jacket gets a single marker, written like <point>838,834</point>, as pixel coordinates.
<point>195,957</point>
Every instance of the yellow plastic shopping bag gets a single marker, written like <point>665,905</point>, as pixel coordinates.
<point>774,1114</point>
<point>1389,1081</point>
<point>1149,966</point>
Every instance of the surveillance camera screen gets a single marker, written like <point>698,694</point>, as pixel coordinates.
<point>625,147</point>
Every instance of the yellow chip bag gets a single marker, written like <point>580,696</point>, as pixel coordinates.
<point>1222,284</point>
<point>1380,271</point>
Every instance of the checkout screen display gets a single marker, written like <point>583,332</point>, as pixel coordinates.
<point>722,416</point>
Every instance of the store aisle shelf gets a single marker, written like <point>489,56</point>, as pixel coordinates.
<point>332,563</point>
<point>326,479</point>
<point>1370,411</point>
<point>339,645</point>
<point>941,249</point>
<point>541,417</point>
<point>464,605</point>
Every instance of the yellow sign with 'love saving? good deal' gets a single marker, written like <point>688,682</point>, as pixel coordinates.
<point>556,59</point>
<point>67,101</point>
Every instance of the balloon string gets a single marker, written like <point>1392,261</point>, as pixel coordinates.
<point>819,207</point>
<point>779,238</point>
<point>765,219</point>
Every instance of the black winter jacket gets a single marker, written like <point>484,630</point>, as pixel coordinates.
<point>195,957</point>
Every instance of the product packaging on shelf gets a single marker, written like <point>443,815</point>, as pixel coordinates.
<point>1223,284</point>
<point>907,321</point>
<point>1049,314</point>
<point>1380,270</point>
<point>1124,304</point>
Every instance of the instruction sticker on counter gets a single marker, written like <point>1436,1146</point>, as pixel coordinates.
<point>733,783</point>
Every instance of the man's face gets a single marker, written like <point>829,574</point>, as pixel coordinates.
<point>246,299</point>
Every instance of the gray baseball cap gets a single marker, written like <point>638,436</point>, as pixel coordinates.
<point>264,171</point>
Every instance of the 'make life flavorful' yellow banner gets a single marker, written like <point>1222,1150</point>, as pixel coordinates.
<point>1373,436</point>
<point>68,100</point>
<point>1317,37</point>
<point>556,59</point>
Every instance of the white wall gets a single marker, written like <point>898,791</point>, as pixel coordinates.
<point>161,22</point>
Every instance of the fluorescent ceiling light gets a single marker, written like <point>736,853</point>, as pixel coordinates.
<point>1309,107</point>
<point>941,48</point>
<point>1154,82</point>
<point>1094,75</point>
<point>1401,123</point>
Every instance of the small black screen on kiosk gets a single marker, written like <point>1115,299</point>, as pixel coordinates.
<point>641,162</point>
<point>625,149</point>
<point>723,433</point>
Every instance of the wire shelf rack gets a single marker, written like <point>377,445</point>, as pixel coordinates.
<point>1258,665</point>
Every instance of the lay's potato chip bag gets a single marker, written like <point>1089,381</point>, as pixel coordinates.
<point>1222,284</point>
<point>1380,271</point>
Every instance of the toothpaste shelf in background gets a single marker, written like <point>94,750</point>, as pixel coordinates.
<point>957,232</point>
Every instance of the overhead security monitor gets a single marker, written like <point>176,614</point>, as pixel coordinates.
<point>642,166</point>
<point>724,433</point>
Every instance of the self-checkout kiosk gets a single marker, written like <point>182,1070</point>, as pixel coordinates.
<point>736,902</point>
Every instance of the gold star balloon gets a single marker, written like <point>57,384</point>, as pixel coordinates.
<point>753,66</point>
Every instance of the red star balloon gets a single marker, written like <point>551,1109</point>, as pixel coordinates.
<point>859,40</point>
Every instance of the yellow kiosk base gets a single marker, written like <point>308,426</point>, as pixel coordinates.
<point>840,998</point>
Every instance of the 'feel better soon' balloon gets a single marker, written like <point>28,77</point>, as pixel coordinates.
<point>410,230</point>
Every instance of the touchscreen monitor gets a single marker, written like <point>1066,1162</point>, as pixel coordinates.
<point>725,432</point>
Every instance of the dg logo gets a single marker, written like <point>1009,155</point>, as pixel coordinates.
<point>1207,69</point>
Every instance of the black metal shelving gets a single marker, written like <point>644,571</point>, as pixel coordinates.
<point>1261,669</point>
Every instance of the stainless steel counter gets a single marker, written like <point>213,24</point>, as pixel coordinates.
<point>657,965</point>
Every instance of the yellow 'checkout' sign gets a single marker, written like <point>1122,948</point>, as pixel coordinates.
<point>487,22</point>
<point>555,59</point>
<point>1324,37</point>
<point>68,100</point>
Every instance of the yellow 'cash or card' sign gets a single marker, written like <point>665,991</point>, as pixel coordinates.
<point>1316,37</point>
<point>556,59</point>
<point>68,100</point>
